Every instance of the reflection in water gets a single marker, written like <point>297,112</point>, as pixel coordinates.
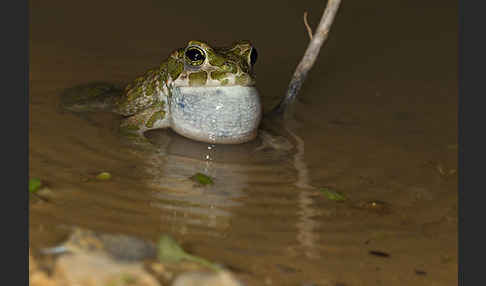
<point>179,158</point>
<point>235,169</point>
<point>307,226</point>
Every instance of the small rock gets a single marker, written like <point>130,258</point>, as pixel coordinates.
<point>45,193</point>
<point>36,276</point>
<point>39,278</point>
<point>220,278</point>
<point>161,272</point>
<point>98,270</point>
<point>32,264</point>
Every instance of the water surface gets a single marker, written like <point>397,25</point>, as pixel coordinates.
<point>377,117</point>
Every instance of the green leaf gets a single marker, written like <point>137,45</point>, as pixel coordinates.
<point>333,195</point>
<point>34,185</point>
<point>169,251</point>
<point>202,179</point>
<point>103,176</point>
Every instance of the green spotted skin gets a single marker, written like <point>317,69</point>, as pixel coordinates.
<point>222,67</point>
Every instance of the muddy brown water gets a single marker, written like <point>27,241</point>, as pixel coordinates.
<point>377,115</point>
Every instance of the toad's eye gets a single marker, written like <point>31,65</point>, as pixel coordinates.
<point>195,56</point>
<point>253,56</point>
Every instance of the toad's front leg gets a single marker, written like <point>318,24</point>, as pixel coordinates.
<point>154,117</point>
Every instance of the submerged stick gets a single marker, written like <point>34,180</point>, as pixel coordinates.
<point>309,57</point>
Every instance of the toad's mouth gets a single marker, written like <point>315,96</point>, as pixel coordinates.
<point>219,115</point>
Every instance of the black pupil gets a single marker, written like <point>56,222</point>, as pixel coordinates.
<point>194,55</point>
<point>253,56</point>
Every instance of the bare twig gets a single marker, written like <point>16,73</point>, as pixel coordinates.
<point>309,57</point>
<point>309,29</point>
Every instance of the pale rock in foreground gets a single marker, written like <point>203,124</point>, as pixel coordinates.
<point>94,270</point>
<point>220,278</point>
